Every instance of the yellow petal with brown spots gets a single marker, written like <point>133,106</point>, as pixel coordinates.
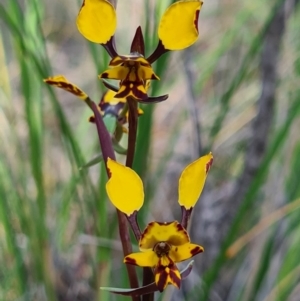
<point>178,27</point>
<point>192,181</point>
<point>61,82</point>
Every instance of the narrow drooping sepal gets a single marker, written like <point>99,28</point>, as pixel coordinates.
<point>124,188</point>
<point>178,28</point>
<point>61,82</point>
<point>192,181</point>
<point>155,99</point>
<point>97,21</point>
<point>147,289</point>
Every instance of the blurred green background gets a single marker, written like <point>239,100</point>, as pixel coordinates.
<point>235,92</point>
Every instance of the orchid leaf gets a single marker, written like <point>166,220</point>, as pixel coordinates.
<point>93,162</point>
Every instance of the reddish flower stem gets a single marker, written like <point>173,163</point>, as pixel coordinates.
<point>185,216</point>
<point>107,151</point>
<point>148,276</point>
<point>132,125</point>
<point>132,219</point>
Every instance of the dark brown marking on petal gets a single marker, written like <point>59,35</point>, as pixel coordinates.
<point>208,165</point>
<point>180,228</point>
<point>122,94</point>
<point>66,86</point>
<point>138,92</point>
<point>161,273</point>
<point>110,86</point>
<point>104,75</point>
<point>175,275</point>
<point>132,89</point>
<point>92,119</point>
<point>146,231</point>
<point>196,250</point>
<point>167,274</point>
<point>196,19</point>
<point>116,61</point>
<point>129,260</point>
<point>83,4</point>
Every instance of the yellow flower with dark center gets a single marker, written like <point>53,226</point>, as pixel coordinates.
<point>161,246</point>
<point>133,71</point>
<point>178,29</point>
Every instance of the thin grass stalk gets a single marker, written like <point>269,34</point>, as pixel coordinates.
<point>240,76</point>
<point>7,219</point>
<point>274,147</point>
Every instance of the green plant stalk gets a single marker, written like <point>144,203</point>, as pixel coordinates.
<point>6,218</point>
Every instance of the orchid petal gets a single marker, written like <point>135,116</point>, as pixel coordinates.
<point>172,233</point>
<point>167,274</point>
<point>142,259</point>
<point>192,181</point>
<point>178,28</point>
<point>97,21</point>
<point>61,82</point>
<point>124,188</point>
<point>184,252</point>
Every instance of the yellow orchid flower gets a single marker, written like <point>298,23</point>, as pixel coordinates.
<point>177,30</point>
<point>133,71</point>
<point>161,246</point>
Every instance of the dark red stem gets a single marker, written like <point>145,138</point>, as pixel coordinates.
<point>107,151</point>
